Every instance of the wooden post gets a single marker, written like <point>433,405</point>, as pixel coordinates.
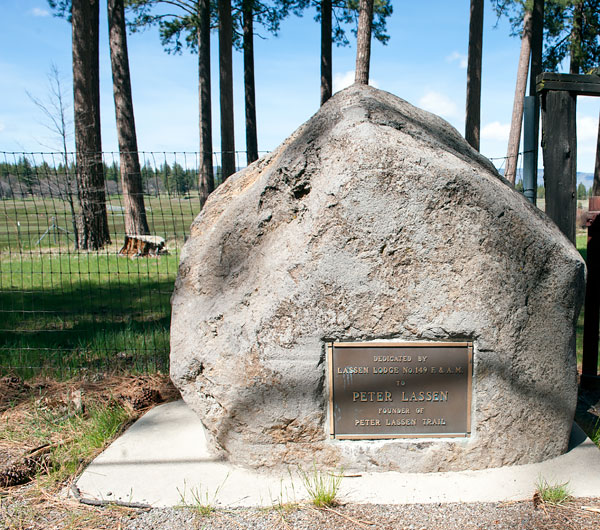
<point>558,93</point>
<point>589,365</point>
<point>559,142</point>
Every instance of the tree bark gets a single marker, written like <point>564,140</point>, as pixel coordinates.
<point>514,139</point>
<point>131,176</point>
<point>473,114</point>
<point>326,44</point>
<point>363,42</point>
<point>249,87</point>
<point>226,89</point>
<point>206,179</point>
<point>93,233</point>
<point>575,45</point>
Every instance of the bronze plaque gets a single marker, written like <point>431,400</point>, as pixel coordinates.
<point>395,390</point>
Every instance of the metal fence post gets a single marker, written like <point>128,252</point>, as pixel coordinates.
<point>530,117</point>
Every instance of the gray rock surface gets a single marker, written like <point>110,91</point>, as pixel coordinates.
<point>374,220</point>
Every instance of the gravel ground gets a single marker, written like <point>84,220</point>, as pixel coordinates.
<point>40,505</point>
<point>476,516</point>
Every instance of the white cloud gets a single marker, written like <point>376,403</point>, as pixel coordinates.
<point>587,128</point>
<point>461,58</point>
<point>439,104</point>
<point>496,131</point>
<point>39,12</point>
<point>2,126</point>
<point>343,80</point>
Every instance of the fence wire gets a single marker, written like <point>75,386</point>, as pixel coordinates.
<point>65,310</point>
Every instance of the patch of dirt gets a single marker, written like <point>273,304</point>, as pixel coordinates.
<point>28,410</point>
<point>23,404</point>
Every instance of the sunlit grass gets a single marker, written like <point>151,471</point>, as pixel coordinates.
<point>74,436</point>
<point>86,434</point>
<point>322,486</point>
<point>62,311</point>
<point>555,494</point>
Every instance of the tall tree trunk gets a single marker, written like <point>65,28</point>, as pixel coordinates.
<point>131,175</point>
<point>249,91</point>
<point>226,89</point>
<point>206,178</point>
<point>473,115</point>
<point>93,233</point>
<point>326,38</point>
<point>514,138</point>
<point>576,33</point>
<point>363,42</point>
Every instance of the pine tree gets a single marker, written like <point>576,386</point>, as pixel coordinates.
<point>334,16</point>
<point>84,16</point>
<point>514,138</point>
<point>249,85</point>
<point>189,25</point>
<point>571,30</point>
<point>363,42</point>
<point>473,110</point>
<point>131,178</point>
<point>269,16</point>
<point>226,88</point>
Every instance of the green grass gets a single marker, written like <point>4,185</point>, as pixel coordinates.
<point>91,432</point>
<point>555,494</point>
<point>24,221</point>
<point>81,435</point>
<point>201,501</point>
<point>64,311</point>
<point>581,242</point>
<point>594,432</point>
<point>322,486</point>
<point>85,310</point>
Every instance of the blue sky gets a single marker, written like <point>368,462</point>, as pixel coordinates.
<point>424,63</point>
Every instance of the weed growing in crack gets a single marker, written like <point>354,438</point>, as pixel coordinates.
<point>555,494</point>
<point>201,501</point>
<point>322,486</point>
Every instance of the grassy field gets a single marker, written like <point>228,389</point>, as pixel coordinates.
<point>25,221</point>
<point>64,311</point>
<point>87,310</point>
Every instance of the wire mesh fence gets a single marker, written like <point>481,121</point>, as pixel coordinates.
<point>66,310</point>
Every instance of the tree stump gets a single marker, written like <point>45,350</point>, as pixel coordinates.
<point>138,245</point>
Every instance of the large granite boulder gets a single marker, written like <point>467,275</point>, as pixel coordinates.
<point>374,220</point>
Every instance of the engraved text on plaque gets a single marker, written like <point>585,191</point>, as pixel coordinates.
<point>394,390</point>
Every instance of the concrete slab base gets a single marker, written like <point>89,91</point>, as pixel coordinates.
<point>162,460</point>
